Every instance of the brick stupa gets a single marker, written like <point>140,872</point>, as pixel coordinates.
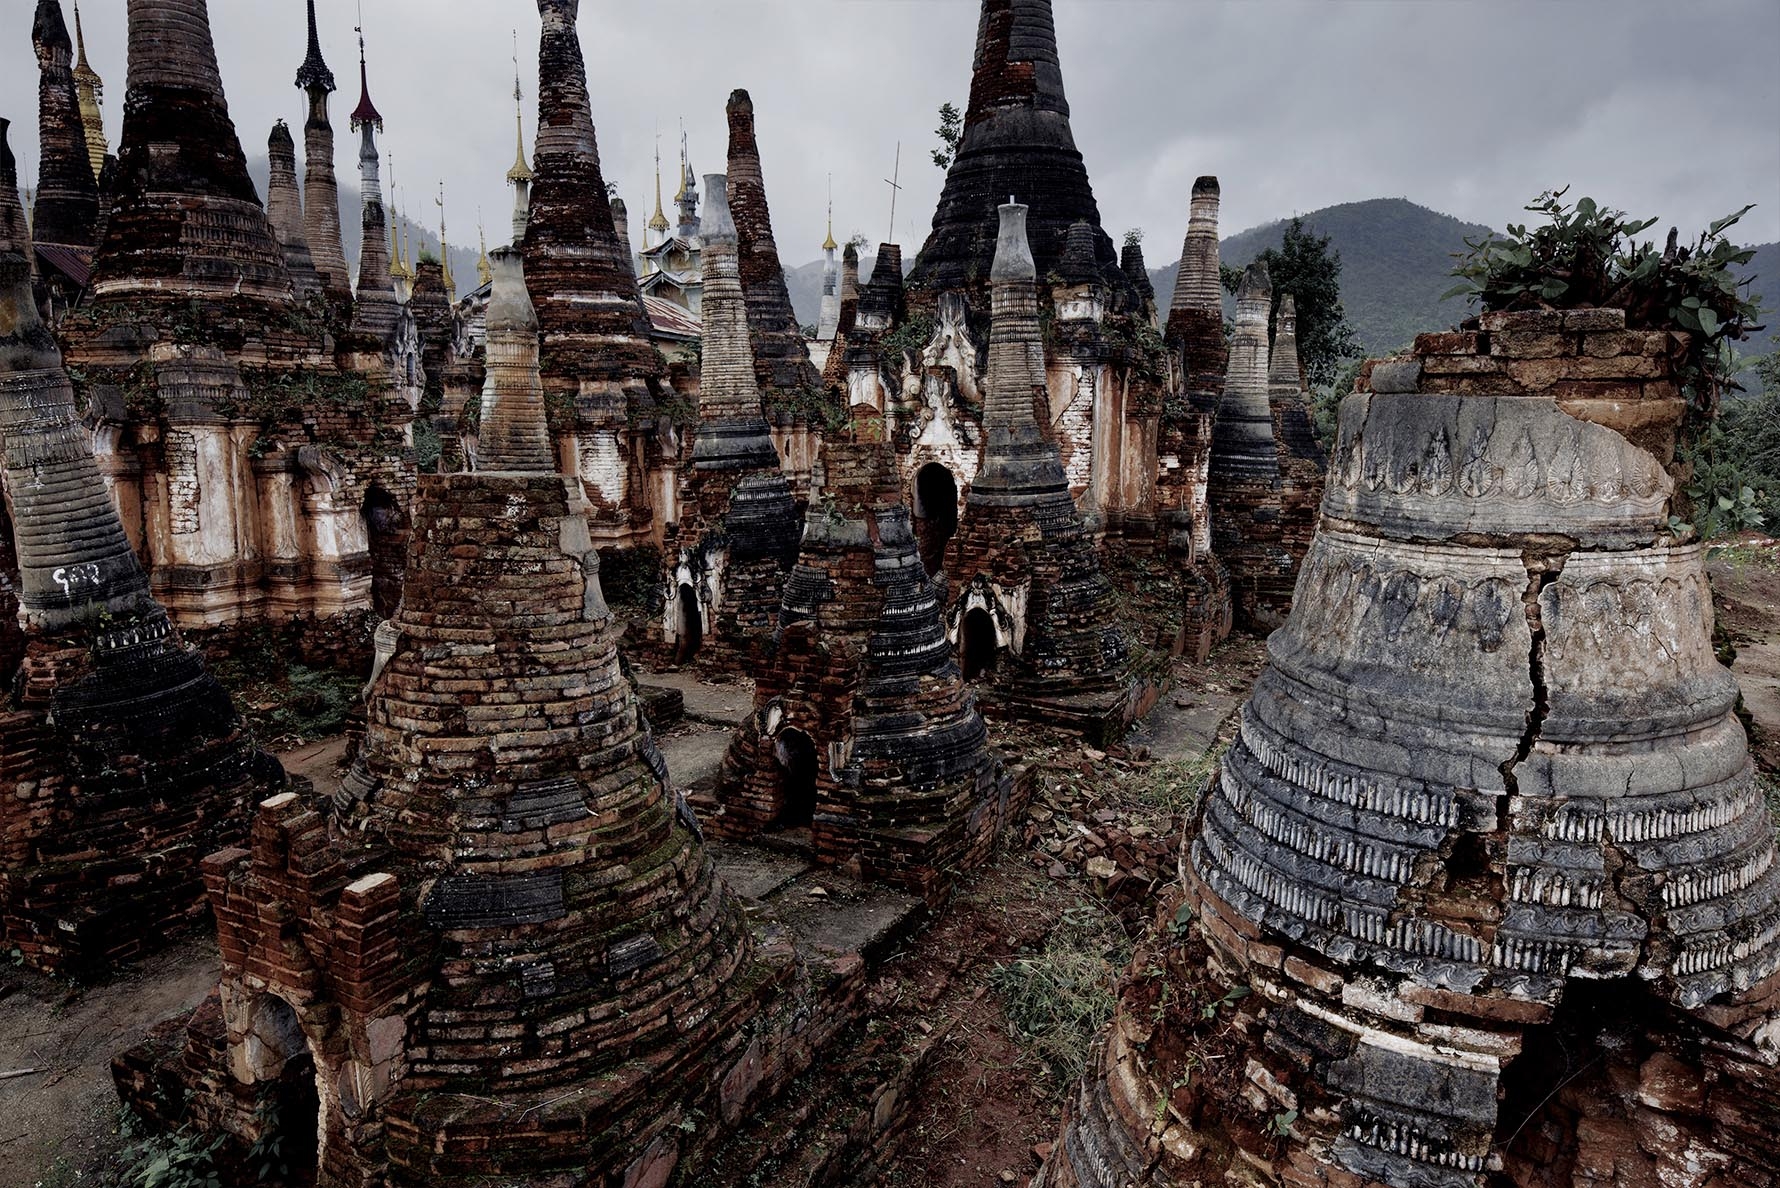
<point>508,951</point>
<point>737,534</point>
<point>1016,140</point>
<point>1488,849</point>
<point>122,761</point>
<point>66,211</point>
<point>1030,605</point>
<point>601,367</point>
<point>1243,486</point>
<point>863,728</point>
<point>185,220</point>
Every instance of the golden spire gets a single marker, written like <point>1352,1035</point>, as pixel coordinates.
<point>444,252</point>
<point>681,192</point>
<point>91,92</point>
<point>484,269</point>
<point>828,244</point>
<point>521,172</point>
<point>658,222</point>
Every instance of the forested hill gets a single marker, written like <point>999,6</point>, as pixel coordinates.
<point>1396,258</point>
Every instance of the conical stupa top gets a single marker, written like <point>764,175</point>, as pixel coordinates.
<point>1282,364</point>
<point>366,112</point>
<point>83,70</point>
<point>91,89</point>
<point>444,252</point>
<point>521,171</point>
<point>314,74</point>
<point>828,243</point>
<point>484,269</point>
<point>658,221</point>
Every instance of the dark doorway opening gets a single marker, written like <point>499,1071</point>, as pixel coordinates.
<point>796,754</point>
<point>386,537</point>
<point>936,514</point>
<point>976,640</point>
<point>287,1151</point>
<point>691,626</point>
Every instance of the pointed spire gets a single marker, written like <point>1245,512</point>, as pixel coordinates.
<point>213,239</point>
<point>484,267</point>
<point>1242,438</point>
<point>284,206</point>
<point>521,172</point>
<point>66,210</point>
<point>445,252</point>
<point>1197,285</point>
<point>321,192</point>
<point>828,243</point>
<point>658,222</point>
<point>365,115</point>
<point>1016,140</point>
<point>91,90</point>
<point>313,74</point>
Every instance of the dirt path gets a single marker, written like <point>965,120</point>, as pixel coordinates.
<point>60,1121</point>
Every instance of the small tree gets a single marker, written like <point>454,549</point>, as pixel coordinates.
<point>1309,268</point>
<point>950,133</point>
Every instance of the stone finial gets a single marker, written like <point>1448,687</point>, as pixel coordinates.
<point>1131,263</point>
<point>1197,285</point>
<point>91,90</point>
<point>1078,265</point>
<point>1016,352</point>
<point>1254,296</point>
<point>66,210</point>
<point>1283,368</point>
<point>514,433</point>
<point>849,273</point>
<point>321,192</point>
<point>621,223</point>
<point>313,74</point>
<point>284,206</point>
<point>731,426</point>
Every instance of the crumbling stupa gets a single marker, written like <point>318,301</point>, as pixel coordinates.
<point>600,361</point>
<point>1030,608</point>
<point>1488,849</point>
<point>863,728</point>
<point>737,533</point>
<point>243,441</point>
<point>1197,357</point>
<point>321,193</point>
<point>506,955</point>
<point>66,212</point>
<point>122,762</point>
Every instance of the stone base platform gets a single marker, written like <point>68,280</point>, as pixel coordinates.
<point>1099,718</point>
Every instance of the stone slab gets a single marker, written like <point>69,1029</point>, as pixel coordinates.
<point>754,873</point>
<point>718,705</point>
<point>847,917</point>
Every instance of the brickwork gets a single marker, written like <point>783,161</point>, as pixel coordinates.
<point>903,788</point>
<point>66,210</point>
<point>737,533</point>
<point>1021,554</point>
<point>121,760</point>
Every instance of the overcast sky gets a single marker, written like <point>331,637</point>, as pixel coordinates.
<point>1660,107</point>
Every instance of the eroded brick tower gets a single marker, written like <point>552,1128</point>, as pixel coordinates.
<point>122,761</point>
<point>737,534</point>
<point>863,728</point>
<point>601,368</point>
<point>1030,606</point>
<point>1488,848</point>
<point>512,959</point>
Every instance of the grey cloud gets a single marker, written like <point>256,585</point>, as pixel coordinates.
<point>1467,106</point>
